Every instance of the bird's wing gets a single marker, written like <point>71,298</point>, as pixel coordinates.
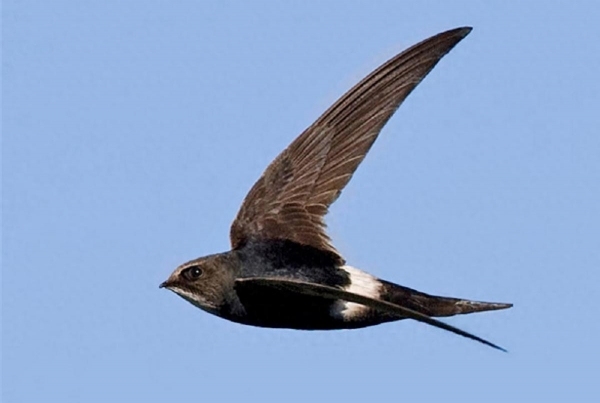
<point>291,198</point>
<point>258,284</point>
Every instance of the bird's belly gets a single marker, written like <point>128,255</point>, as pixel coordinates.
<point>281,310</point>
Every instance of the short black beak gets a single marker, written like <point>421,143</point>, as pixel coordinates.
<point>163,284</point>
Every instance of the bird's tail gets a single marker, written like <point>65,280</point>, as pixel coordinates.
<point>433,305</point>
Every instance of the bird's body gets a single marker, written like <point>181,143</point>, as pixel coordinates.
<point>283,271</point>
<point>275,308</point>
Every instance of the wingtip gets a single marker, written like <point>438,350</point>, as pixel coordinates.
<point>501,349</point>
<point>490,344</point>
<point>461,31</point>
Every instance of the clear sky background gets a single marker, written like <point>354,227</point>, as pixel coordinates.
<point>132,131</point>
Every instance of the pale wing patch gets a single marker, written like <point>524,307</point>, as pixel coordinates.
<point>361,283</point>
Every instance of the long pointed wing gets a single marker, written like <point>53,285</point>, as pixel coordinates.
<point>293,195</point>
<point>323,291</point>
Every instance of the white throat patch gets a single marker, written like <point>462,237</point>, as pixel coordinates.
<point>194,299</point>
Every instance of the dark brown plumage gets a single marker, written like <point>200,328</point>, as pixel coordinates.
<point>293,195</point>
<point>283,270</point>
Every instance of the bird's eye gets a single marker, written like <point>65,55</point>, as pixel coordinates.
<point>192,273</point>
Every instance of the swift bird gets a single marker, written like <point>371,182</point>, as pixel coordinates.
<point>282,270</point>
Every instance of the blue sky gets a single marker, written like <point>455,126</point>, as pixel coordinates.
<point>132,131</point>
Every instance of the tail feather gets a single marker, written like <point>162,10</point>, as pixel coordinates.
<point>433,305</point>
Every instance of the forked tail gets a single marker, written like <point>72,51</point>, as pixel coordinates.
<point>433,305</point>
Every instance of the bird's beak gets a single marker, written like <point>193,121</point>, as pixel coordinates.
<point>164,284</point>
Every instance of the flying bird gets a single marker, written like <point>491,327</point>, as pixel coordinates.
<point>282,270</point>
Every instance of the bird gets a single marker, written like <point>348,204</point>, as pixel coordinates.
<point>282,270</point>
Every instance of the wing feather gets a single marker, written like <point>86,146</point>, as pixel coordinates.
<point>293,195</point>
<point>324,291</point>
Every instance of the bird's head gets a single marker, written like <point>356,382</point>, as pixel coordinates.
<point>204,282</point>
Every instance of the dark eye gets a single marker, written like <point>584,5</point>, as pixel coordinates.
<point>192,273</point>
